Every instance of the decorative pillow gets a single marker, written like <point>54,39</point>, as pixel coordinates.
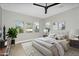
<point>60,37</point>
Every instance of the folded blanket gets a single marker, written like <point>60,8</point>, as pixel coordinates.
<point>60,48</point>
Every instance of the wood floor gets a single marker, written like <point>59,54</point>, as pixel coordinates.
<point>17,50</point>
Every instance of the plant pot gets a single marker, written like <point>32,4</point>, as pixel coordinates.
<point>13,41</point>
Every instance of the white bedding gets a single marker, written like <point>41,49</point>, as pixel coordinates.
<point>47,39</point>
<point>49,43</point>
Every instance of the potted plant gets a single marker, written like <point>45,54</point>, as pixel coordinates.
<point>12,33</point>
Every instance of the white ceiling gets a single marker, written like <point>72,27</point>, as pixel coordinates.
<point>32,10</point>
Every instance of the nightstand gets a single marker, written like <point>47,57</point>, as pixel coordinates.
<point>74,43</point>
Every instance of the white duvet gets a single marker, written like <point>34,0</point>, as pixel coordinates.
<point>52,41</point>
<point>47,39</point>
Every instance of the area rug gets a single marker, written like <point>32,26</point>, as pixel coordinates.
<point>31,51</point>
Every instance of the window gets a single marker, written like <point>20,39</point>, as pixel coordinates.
<point>58,26</point>
<point>47,28</point>
<point>28,27</point>
<point>61,25</point>
<point>55,26</point>
<point>36,27</point>
<point>19,26</point>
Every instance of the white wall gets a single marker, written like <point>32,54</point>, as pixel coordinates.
<point>0,18</point>
<point>70,17</point>
<point>9,19</point>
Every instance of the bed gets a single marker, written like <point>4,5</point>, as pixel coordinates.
<point>50,46</point>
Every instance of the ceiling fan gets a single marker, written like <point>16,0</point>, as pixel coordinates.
<point>46,7</point>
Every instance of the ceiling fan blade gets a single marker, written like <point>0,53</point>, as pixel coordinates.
<point>53,5</point>
<point>38,5</point>
<point>45,10</point>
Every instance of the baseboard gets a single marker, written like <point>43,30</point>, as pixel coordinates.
<point>23,41</point>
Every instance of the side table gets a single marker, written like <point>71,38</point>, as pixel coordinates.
<point>74,43</point>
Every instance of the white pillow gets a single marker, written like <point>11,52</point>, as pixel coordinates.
<point>59,36</point>
<point>52,35</point>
